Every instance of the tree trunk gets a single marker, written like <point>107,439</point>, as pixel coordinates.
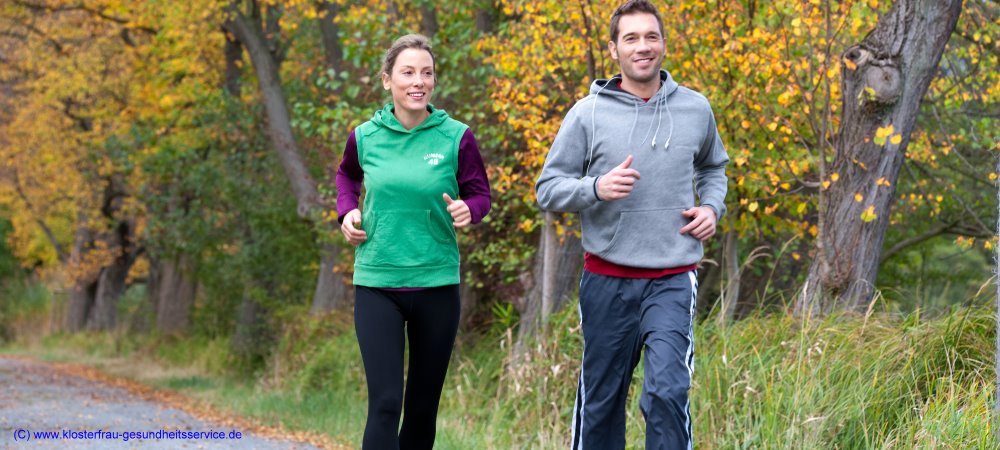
<point>331,290</point>
<point>112,278</point>
<point>330,31</point>
<point>885,76</point>
<point>550,265</point>
<point>996,359</point>
<point>529,307</point>
<point>84,285</point>
<point>710,282</point>
<point>234,56</point>
<point>556,274</point>
<point>486,16</point>
<point>250,33</point>
<point>81,301</point>
<point>174,295</point>
<point>118,240</point>
<point>468,299</point>
<point>392,10</point>
<point>568,269</point>
<point>250,339</point>
<point>279,125</point>
<point>732,269</point>
<point>428,18</point>
<point>110,287</point>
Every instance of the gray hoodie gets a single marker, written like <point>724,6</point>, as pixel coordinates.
<point>677,150</point>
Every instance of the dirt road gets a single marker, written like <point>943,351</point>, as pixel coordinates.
<point>54,405</point>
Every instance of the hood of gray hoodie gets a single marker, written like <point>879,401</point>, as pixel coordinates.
<point>680,158</point>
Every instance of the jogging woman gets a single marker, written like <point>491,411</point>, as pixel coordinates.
<point>423,178</point>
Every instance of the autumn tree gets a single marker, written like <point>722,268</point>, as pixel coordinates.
<point>943,190</point>
<point>73,76</point>
<point>884,79</point>
<point>530,92</point>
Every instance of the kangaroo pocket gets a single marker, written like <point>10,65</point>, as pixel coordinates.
<point>407,238</point>
<point>652,239</point>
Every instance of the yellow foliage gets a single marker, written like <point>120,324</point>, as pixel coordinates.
<point>869,214</point>
<point>883,132</point>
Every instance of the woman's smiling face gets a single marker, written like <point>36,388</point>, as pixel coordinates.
<point>411,81</point>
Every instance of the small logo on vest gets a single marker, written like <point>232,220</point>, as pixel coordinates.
<point>433,158</point>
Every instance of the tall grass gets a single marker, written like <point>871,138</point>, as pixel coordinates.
<point>846,382</point>
<point>765,382</point>
<point>25,310</point>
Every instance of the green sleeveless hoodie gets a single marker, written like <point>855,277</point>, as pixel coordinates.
<point>411,240</point>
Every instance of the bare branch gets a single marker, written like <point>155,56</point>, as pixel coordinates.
<point>45,7</point>
<point>60,252</point>
<point>935,231</point>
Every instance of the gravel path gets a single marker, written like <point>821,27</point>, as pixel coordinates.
<point>37,398</point>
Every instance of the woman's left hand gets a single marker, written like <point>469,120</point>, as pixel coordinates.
<point>459,212</point>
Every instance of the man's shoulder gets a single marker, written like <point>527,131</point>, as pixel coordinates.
<point>574,112</point>
<point>693,97</point>
<point>583,101</point>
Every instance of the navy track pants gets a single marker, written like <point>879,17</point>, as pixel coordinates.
<point>622,318</point>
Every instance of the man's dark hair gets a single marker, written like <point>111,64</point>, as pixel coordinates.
<point>633,7</point>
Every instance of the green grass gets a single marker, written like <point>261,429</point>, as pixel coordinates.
<point>839,383</point>
<point>24,309</point>
<point>766,382</point>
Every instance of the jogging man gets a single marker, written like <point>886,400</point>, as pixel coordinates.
<point>630,158</point>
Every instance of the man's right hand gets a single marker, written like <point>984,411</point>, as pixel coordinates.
<point>618,182</point>
<point>351,227</point>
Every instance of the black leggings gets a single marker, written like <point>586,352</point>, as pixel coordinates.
<point>430,318</point>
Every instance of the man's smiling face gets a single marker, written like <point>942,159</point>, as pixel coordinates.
<point>639,48</point>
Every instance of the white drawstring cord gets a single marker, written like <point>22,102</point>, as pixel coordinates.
<point>670,117</point>
<point>593,127</point>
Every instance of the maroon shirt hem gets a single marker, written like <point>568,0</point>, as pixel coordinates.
<point>594,264</point>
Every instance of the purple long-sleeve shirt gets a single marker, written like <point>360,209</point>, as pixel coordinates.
<point>473,186</point>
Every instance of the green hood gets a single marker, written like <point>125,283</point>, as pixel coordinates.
<point>387,119</point>
<point>411,240</point>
